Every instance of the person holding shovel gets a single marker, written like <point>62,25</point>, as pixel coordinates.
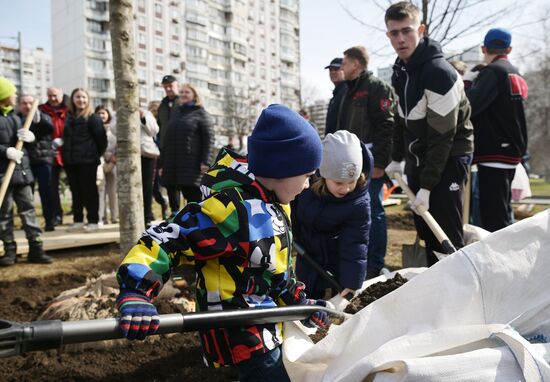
<point>19,189</point>
<point>239,239</point>
<point>332,218</point>
<point>432,130</point>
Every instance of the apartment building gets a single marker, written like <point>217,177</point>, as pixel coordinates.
<point>29,70</point>
<point>241,54</point>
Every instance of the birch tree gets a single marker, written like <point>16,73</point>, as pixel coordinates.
<point>130,198</point>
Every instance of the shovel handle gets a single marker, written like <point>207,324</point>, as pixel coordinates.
<point>18,338</point>
<point>443,239</point>
<point>19,145</point>
<point>319,269</point>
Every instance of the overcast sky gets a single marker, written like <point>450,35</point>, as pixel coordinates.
<point>326,31</point>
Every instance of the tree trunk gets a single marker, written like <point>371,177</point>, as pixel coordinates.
<point>130,197</point>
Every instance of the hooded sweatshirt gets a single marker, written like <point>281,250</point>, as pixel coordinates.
<point>238,239</point>
<point>433,122</point>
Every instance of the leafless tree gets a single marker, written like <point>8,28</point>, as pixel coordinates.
<point>441,18</point>
<point>241,110</point>
<point>130,197</point>
<point>538,103</point>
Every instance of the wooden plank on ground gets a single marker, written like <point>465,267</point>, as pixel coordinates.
<point>62,239</point>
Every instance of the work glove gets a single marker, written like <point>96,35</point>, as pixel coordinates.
<point>138,317</point>
<point>13,154</point>
<point>318,319</point>
<point>57,143</point>
<point>422,201</point>
<point>394,167</point>
<point>294,293</point>
<point>36,117</point>
<point>25,135</point>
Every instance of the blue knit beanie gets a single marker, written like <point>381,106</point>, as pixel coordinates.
<point>283,144</point>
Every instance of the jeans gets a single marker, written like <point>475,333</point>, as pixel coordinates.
<point>43,174</point>
<point>378,235</point>
<point>264,368</point>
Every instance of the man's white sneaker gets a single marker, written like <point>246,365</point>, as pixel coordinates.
<point>92,227</point>
<point>75,227</point>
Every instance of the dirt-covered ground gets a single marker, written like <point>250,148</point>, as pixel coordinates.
<point>27,289</point>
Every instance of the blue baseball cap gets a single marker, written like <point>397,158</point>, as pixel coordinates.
<point>498,38</point>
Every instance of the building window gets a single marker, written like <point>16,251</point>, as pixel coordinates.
<point>158,9</point>
<point>98,84</point>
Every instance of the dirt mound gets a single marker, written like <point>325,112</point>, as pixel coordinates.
<point>374,292</point>
<point>402,220</point>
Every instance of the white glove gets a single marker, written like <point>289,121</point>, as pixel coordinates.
<point>57,143</point>
<point>422,201</point>
<point>470,76</point>
<point>25,135</point>
<point>13,154</point>
<point>394,167</point>
<point>36,117</point>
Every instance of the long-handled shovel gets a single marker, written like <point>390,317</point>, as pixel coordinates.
<point>19,145</point>
<point>448,247</point>
<point>329,277</point>
<point>18,338</point>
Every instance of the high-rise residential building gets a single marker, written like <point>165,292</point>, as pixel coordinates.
<point>32,68</point>
<point>242,55</point>
<point>318,115</point>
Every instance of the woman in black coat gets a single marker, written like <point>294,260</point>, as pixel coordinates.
<point>186,153</point>
<point>84,142</point>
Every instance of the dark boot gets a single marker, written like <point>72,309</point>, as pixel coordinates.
<point>10,253</point>
<point>36,252</point>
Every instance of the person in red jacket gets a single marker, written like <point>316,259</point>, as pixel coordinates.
<point>57,110</point>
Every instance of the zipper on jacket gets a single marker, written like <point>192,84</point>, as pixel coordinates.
<point>405,95</point>
<point>407,116</point>
<point>286,224</point>
<point>413,154</point>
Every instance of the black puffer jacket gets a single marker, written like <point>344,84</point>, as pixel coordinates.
<point>40,151</point>
<point>22,174</point>
<point>84,140</point>
<point>188,143</point>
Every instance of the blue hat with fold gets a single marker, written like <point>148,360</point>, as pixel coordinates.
<point>498,38</point>
<point>283,144</point>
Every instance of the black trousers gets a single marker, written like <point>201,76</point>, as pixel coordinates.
<point>446,204</point>
<point>57,208</point>
<point>82,181</point>
<point>23,197</point>
<point>157,193</point>
<point>190,193</point>
<point>495,197</point>
<point>147,171</point>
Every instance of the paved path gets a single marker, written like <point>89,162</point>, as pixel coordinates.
<point>61,238</point>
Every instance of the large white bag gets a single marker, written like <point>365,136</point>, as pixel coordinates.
<point>460,320</point>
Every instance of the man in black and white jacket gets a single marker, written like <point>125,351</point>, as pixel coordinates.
<point>497,95</point>
<point>432,132</point>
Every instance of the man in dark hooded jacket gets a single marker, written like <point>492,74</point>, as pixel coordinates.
<point>19,189</point>
<point>433,132</point>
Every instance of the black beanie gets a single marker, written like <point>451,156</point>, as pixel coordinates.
<point>283,144</point>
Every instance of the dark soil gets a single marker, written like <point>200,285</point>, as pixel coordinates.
<point>368,296</point>
<point>174,357</point>
<point>402,220</point>
<point>374,292</point>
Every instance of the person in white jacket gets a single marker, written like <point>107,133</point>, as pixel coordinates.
<point>149,154</point>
